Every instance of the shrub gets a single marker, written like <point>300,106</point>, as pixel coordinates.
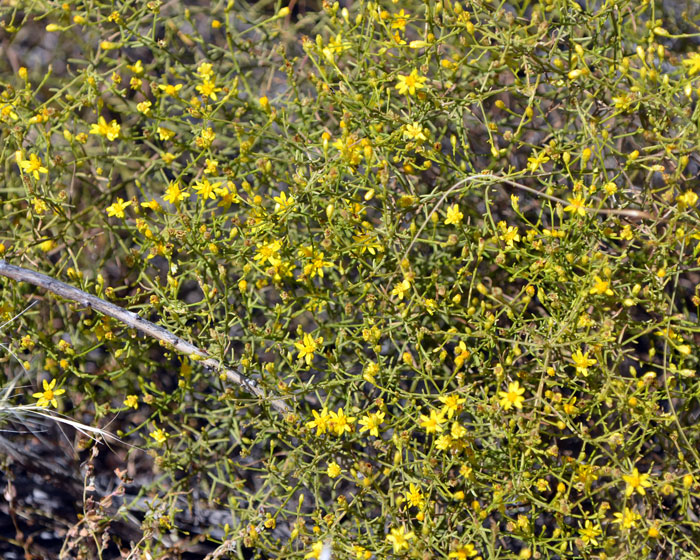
<point>458,242</point>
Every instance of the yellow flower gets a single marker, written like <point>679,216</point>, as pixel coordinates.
<point>536,161</point>
<point>159,436</point>
<point>400,289</point>
<point>307,347</point>
<point>461,354</point>
<point>117,209</point>
<point>399,539</point>
<point>205,138</point>
<point>131,401</point>
<point>414,496</point>
<point>333,470</point>
<point>173,194</point>
<point>400,21</point>
<point>692,64</point>
<point>409,84</point>
<point>512,397</point>
<point>576,205</point>
<point>320,421</point>
<point>636,482</point>
<point>283,202</point>
<point>208,89</point>
<point>414,131</point>
<point>316,550</point>
<point>601,287</point>
<point>136,67</point>
<point>33,165</point>
<point>590,533</point>
<point>582,362</point>
<point>433,423</point>
<point>205,189</point>
<point>463,552</point>
<point>171,90</point>
<point>144,107</point>
<point>109,131</point>
<point>205,70</point>
<point>48,395</point>
<point>510,235</point>
<point>165,133</point>
<point>210,166</point>
<point>627,519</point>
<point>340,423</point>
<point>269,252</point>
<point>454,215</point>
<point>451,404</point>
<point>371,422</point>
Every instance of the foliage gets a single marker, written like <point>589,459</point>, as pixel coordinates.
<point>459,240</point>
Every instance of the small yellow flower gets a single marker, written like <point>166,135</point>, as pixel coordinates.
<point>451,404</point>
<point>590,533</point>
<point>33,165</point>
<point>165,133</point>
<point>171,90</point>
<point>399,538</point>
<point>340,423</point>
<point>400,289</point>
<point>409,84</point>
<point>109,131</point>
<point>283,202</point>
<point>636,482</point>
<point>173,194</point>
<point>454,216</point>
<point>464,552</point>
<point>692,64</point>
<point>371,422</point>
<point>601,287</point>
<point>627,519</point>
<point>333,470</point>
<point>512,397</point>
<point>320,421</point>
<point>205,189</point>
<point>414,496</point>
<point>144,107</point>
<point>48,395</point>
<point>582,362</point>
<point>307,346</point>
<point>535,162</point>
<point>159,435</point>
<point>414,131</point>
<point>432,424</point>
<point>117,209</point>
<point>131,401</point>
<point>577,205</point>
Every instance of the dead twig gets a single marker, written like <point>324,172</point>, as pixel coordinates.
<point>133,320</point>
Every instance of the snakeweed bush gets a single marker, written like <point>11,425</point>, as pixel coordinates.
<point>458,240</point>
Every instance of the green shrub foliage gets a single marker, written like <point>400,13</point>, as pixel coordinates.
<point>458,240</point>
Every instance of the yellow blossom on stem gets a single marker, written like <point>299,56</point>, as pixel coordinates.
<point>414,131</point>
<point>307,346</point>
<point>454,216</point>
<point>433,423</point>
<point>582,362</point>
<point>320,421</point>
<point>371,422</point>
<point>601,287</point>
<point>512,397</point>
<point>333,470</point>
<point>451,404</point>
<point>173,194</point>
<point>339,423</point>
<point>48,395</point>
<point>577,205</point>
<point>409,84</point>
<point>398,537</point>
<point>590,533</point>
<point>33,165</point>
<point>117,208</point>
<point>131,401</point>
<point>109,131</point>
<point>627,519</point>
<point>636,482</point>
<point>464,552</point>
<point>159,435</point>
<point>414,496</point>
